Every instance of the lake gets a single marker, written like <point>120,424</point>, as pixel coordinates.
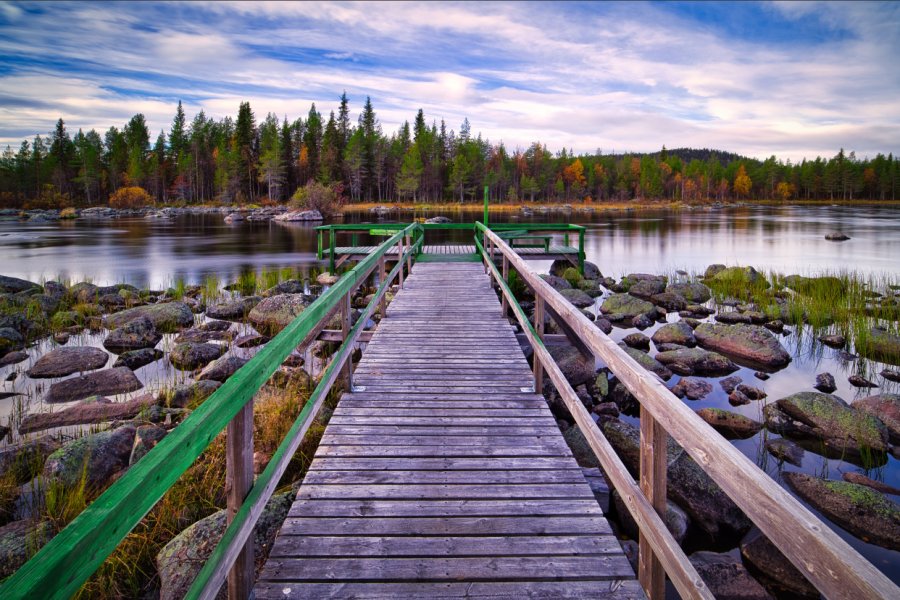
<point>156,253</point>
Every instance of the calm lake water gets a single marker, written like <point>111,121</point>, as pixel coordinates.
<point>155,253</point>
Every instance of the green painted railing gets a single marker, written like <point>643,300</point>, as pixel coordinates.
<point>61,567</point>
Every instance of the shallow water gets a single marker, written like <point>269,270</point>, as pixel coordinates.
<point>155,253</point>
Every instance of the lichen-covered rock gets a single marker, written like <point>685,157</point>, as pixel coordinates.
<point>885,408</point>
<point>98,457</point>
<point>625,307</point>
<point>108,382</point>
<point>222,368</point>
<point>233,310</point>
<point>695,361</point>
<point>692,389</point>
<point>713,270</point>
<point>179,562</point>
<point>580,448</point>
<point>639,341</point>
<point>145,439</point>
<point>746,275</point>
<point>669,301</point>
<point>860,510</point>
<point>135,359</point>
<point>65,361</point>
<point>14,285</point>
<point>731,425</point>
<point>646,288</point>
<point>675,333</point>
<point>275,313</point>
<point>695,293</point>
<point>168,317</point>
<point>726,577</point>
<point>773,567</point>
<point>19,541</point>
<point>648,362</point>
<point>134,335</point>
<point>750,343</point>
<point>556,282</point>
<point>10,339</point>
<point>839,426</point>
<point>190,355</point>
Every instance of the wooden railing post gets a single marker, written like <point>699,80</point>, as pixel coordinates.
<point>539,329</point>
<point>382,274</point>
<point>238,481</point>
<point>651,574</point>
<point>345,332</point>
<point>408,242</point>
<point>332,240</point>
<point>503,304</point>
<point>400,259</point>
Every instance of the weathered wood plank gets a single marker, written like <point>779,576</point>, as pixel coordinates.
<point>444,508</point>
<point>443,464</point>
<point>447,491</point>
<point>410,477</point>
<point>616,589</point>
<point>379,526</point>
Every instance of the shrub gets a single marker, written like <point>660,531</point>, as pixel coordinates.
<point>327,199</point>
<point>130,197</point>
<point>68,213</point>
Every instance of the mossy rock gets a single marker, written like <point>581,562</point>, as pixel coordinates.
<point>841,427</point>
<point>572,276</point>
<point>167,318</point>
<point>625,307</point>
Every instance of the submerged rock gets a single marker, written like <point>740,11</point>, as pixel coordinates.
<point>692,389</point>
<point>837,236</point>
<point>786,451</point>
<point>99,383</point>
<point>675,333</point>
<point>695,361</point>
<point>878,486</point>
<point>649,363</point>
<point>748,342</point>
<point>860,510</point>
<point>885,408</point>
<point>639,341</point>
<point>825,383</point>
<point>860,382</point>
<point>65,361</point>
<point>731,425</point>
<point>135,359</point>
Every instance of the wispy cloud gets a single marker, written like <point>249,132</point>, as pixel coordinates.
<point>791,79</point>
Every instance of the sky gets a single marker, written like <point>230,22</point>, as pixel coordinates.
<point>788,79</point>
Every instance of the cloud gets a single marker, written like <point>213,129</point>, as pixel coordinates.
<point>788,79</point>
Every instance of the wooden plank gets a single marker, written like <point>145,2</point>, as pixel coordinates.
<point>447,491</point>
<point>414,477</point>
<point>615,589</point>
<point>446,450</point>
<point>443,464</point>
<point>492,525</point>
<point>444,508</point>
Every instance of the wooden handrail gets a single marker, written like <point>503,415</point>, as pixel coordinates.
<point>828,562</point>
<point>63,564</point>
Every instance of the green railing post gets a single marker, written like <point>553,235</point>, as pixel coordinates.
<point>331,240</point>
<point>485,206</point>
<point>581,251</point>
<point>319,249</point>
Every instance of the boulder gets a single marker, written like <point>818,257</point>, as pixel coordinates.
<point>603,325</point>
<point>885,408</point>
<point>576,367</point>
<point>10,339</point>
<point>145,439</point>
<point>642,322</point>
<point>591,271</point>
<point>646,288</point>
<point>580,448</point>
<point>98,456</point>
<point>577,298</point>
<point>837,236</point>
<point>880,345</point>
<point>860,510</point>
<point>99,383</point>
<point>201,336</point>
<point>648,362</point>
<point>676,520</point>
<point>733,317</point>
<point>135,359</point>
<point>839,426</point>
<point>92,410</point>
<point>692,389</point>
<point>251,340</point>
<point>20,460</point>
<point>889,374</point>
<point>695,361</point>
<point>168,317</point>
<point>215,326</point>
<point>695,293</point>
<point>731,425</point>
<point>773,567</point>
<point>222,368</point>
<point>233,310</point>
<point>713,270</point>
<point>675,333</point>
<point>625,307</point>
<point>134,335</point>
<point>327,278</point>
<point>730,383</point>
<point>750,343</point>
<point>188,396</point>
<point>275,313</point>
<point>785,451</point>
<point>860,382</point>
<point>638,341</point>
<point>754,393</point>
<point>669,301</point>
<point>14,357</point>
<point>726,577</point>
<point>825,383</point>
<point>746,275</point>
<point>290,286</point>
<point>19,541</point>
<point>179,562</point>
<point>833,340</point>
<point>300,215</point>
<point>557,283</point>
<point>65,361</point>
<point>709,508</point>
<point>190,355</point>
<point>878,486</point>
<point>14,285</point>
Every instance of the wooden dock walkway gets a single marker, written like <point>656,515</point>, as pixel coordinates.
<point>443,475</point>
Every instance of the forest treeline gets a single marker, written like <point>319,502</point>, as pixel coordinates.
<point>241,160</point>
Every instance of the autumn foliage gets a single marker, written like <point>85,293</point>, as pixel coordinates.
<point>130,197</point>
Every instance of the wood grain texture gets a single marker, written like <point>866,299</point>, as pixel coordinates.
<point>443,474</point>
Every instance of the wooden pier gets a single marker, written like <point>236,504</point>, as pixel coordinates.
<point>443,474</point>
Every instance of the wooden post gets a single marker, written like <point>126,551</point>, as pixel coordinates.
<point>382,275</point>
<point>345,333</point>
<point>400,259</point>
<point>651,575</point>
<point>332,241</point>
<point>503,305</point>
<point>408,258</point>
<point>484,246</point>
<point>238,481</point>
<point>539,328</point>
